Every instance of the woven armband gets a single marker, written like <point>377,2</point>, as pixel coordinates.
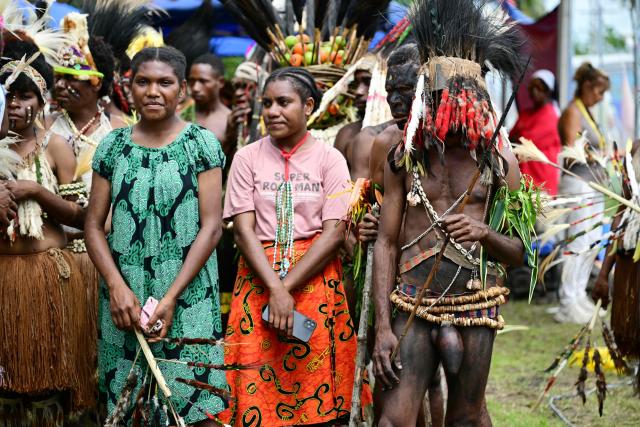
<point>77,190</point>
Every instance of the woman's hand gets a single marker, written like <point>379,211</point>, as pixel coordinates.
<point>281,306</point>
<point>164,312</point>
<point>22,189</point>
<point>368,228</point>
<point>8,206</point>
<point>125,307</point>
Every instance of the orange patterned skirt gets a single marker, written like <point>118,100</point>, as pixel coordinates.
<point>297,383</point>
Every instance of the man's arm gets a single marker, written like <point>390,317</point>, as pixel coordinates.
<point>361,153</point>
<point>380,146</point>
<point>385,254</point>
<point>342,141</point>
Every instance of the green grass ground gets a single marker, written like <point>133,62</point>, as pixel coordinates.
<point>517,376</point>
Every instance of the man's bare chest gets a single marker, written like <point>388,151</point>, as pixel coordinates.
<point>445,186</point>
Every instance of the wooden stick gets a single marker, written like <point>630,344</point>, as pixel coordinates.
<point>153,365</point>
<point>614,196</point>
<point>362,334</point>
<point>435,267</point>
<point>599,188</point>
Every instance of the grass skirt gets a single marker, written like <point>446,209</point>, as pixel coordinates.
<point>625,309</point>
<point>43,330</point>
<point>90,279</point>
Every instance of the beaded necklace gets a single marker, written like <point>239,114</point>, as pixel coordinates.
<point>34,158</point>
<point>285,206</point>
<point>80,134</point>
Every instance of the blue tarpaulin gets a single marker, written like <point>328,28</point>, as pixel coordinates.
<point>517,15</point>
<point>57,10</point>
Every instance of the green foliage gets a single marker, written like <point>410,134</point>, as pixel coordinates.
<point>614,39</point>
<point>532,8</point>
<point>580,48</point>
<point>514,213</point>
<point>230,64</point>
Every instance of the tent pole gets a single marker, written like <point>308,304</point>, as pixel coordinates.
<point>635,20</point>
<point>564,52</point>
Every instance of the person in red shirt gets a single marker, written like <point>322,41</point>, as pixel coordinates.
<point>540,125</point>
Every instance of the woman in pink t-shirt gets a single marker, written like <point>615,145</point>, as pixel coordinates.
<point>286,195</point>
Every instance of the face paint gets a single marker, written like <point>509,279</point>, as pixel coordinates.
<point>400,86</point>
<point>73,92</point>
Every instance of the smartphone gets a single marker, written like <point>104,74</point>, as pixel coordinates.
<point>303,326</point>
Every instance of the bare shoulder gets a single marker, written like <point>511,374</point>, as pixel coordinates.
<point>57,145</point>
<point>61,157</point>
<point>388,137</point>
<point>571,114</point>
<point>346,135</point>
<point>570,111</point>
<point>513,172</point>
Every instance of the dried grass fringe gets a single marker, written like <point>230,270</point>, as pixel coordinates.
<point>47,346</point>
<point>625,310</point>
<point>90,280</point>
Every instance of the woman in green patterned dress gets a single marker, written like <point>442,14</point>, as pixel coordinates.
<point>162,178</point>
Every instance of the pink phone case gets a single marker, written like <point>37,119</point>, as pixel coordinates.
<point>147,311</point>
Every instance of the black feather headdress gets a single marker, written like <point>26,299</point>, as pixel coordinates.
<point>118,22</point>
<point>458,43</point>
<point>193,36</point>
<point>366,15</point>
<point>258,18</point>
<point>461,29</point>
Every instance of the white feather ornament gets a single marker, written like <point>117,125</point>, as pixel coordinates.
<point>528,151</point>
<point>9,159</point>
<point>575,153</point>
<point>416,114</point>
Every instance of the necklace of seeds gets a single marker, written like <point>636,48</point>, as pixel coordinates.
<point>285,209</point>
<point>80,134</point>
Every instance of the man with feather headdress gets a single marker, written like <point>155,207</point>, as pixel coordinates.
<point>442,183</point>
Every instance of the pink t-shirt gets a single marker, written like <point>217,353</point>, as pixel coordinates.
<point>319,179</point>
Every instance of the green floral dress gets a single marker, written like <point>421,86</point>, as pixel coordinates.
<point>154,196</point>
